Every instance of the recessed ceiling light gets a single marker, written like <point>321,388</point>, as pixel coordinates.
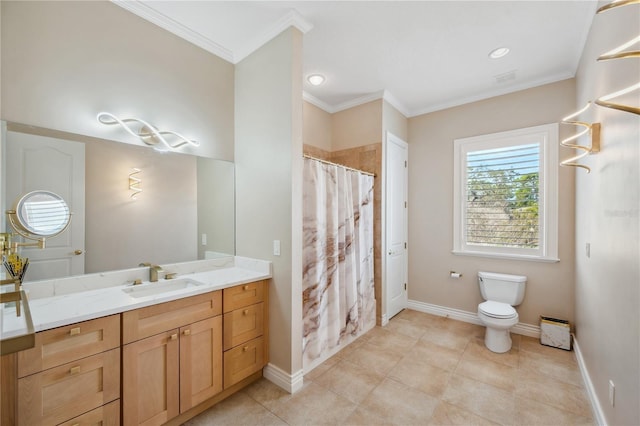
<point>499,52</point>
<point>316,79</point>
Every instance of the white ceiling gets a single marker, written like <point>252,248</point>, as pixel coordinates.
<point>421,56</point>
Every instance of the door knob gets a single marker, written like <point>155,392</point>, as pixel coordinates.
<point>77,252</point>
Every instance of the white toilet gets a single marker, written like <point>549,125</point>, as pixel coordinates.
<point>502,292</point>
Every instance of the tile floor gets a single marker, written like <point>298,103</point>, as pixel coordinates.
<point>421,370</point>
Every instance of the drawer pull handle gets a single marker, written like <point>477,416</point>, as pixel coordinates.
<point>245,312</point>
<point>245,288</point>
<point>246,348</point>
<point>174,336</point>
<point>186,332</point>
<point>74,370</point>
<point>74,331</point>
<point>76,424</point>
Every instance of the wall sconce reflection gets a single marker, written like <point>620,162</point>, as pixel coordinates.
<point>593,129</point>
<point>135,183</point>
<point>147,133</point>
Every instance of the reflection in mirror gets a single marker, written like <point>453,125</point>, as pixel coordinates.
<point>41,213</point>
<point>185,212</point>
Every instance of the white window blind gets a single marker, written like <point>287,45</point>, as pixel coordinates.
<point>502,196</point>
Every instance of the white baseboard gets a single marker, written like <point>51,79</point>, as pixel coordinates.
<point>470,317</point>
<point>384,320</point>
<point>598,414</point>
<point>292,383</point>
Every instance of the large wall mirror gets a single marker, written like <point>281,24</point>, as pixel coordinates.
<point>184,208</point>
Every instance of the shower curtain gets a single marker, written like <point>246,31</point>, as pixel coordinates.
<point>338,289</point>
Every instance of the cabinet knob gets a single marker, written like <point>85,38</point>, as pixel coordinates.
<point>186,332</point>
<point>246,348</point>
<point>74,331</point>
<point>74,370</point>
<point>245,312</point>
<point>174,336</point>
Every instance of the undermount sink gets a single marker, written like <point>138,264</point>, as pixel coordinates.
<point>153,289</point>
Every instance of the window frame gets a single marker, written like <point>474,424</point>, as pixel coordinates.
<point>547,136</point>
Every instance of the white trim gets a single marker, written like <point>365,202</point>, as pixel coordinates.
<point>291,19</point>
<point>546,136</point>
<point>292,383</point>
<point>491,94</point>
<point>317,102</point>
<point>470,317</point>
<point>596,408</point>
<point>148,13</point>
<point>384,320</point>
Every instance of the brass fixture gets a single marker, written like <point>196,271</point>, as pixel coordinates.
<point>593,129</point>
<point>137,281</point>
<point>135,183</point>
<point>605,101</point>
<point>617,3</point>
<point>170,275</point>
<point>153,271</point>
<point>620,52</point>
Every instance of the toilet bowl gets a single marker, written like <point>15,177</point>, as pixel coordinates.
<point>498,318</point>
<point>497,314</point>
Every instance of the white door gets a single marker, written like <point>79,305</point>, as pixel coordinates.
<point>396,176</point>
<point>38,162</point>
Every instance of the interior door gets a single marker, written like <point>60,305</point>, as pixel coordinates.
<point>37,162</point>
<point>396,218</point>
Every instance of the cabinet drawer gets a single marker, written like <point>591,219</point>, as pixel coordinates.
<point>145,322</point>
<point>107,415</point>
<point>243,325</point>
<point>65,344</point>
<point>243,360</point>
<point>243,295</point>
<point>61,393</point>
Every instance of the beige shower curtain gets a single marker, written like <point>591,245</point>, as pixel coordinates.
<point>338,289</point>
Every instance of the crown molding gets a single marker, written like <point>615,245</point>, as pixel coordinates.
<point>317,102</point>
<point>291,19</point>
<point>491,94</point>
<point>145,12</point>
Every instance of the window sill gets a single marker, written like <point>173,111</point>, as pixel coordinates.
<point>506,256</point>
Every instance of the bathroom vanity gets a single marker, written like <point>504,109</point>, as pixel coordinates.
<point>155,353</point>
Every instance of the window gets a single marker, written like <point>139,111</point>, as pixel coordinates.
<point>505,194</point>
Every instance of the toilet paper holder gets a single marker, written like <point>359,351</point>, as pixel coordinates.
<point>455,275</point>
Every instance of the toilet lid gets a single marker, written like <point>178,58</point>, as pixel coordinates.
<point>497,309</point>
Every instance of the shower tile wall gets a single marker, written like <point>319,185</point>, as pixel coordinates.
<point>369,159</point>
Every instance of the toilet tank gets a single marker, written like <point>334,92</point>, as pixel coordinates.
<point>503,288</point>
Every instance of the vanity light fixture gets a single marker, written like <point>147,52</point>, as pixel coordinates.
<point>499,52</point>
<point>134,183</point>
<point>316,79</point>
<point>148,133</point>
<point>594,131</point>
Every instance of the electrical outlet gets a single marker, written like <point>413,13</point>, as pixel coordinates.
<point>612,393</point>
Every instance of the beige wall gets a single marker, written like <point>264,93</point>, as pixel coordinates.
<point>63,62</point>
<point>268,155</point>
<point>317,127</point>
<point>608,218</point>
<point>550,286</point>
<point>160,226</point>
<point>393,121</point>
<point>357,126</point>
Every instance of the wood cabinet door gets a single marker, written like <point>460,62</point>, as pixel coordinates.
<point>200,362</point>
<point>150,380</point>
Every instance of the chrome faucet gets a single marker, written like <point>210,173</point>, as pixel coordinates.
<point>153,271</point>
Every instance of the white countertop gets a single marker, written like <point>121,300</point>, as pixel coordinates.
<point>66,301</point>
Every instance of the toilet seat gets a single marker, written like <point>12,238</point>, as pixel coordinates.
<point>497,309</point>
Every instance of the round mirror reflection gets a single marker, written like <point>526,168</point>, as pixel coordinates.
<point>42,213</point>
